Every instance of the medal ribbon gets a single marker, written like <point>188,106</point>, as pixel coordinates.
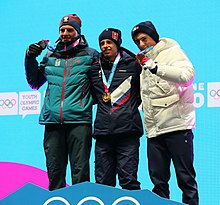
<point>146,50</point>
<point>51,48</point>
<point>111,75</point>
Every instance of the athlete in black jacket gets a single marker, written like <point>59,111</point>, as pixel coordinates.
<point>118,125</point>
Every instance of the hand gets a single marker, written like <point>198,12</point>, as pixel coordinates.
<point>146,63</point>
<point>141,58</point>
<point>149,64</point>
<point>35,49</point>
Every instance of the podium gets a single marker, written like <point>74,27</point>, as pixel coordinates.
<point>85,193</point>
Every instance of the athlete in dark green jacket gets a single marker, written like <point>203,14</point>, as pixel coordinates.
<point>67,109</point>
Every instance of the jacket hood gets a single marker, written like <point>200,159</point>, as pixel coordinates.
<point>163,44</point>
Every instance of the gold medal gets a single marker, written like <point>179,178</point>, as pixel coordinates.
<point>106,97</point>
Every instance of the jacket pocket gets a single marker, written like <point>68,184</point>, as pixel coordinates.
<point>166,101</point>
<point>82,95</point>
<point>166,111</point>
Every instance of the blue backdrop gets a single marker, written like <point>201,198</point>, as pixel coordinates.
<point>194,24</point>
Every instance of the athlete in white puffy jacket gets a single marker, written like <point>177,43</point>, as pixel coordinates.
<point>169,115</point>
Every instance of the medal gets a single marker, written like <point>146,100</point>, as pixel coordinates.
<point>106,97</point>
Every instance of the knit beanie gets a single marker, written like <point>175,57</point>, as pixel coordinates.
<point>112,34</point>
<point>145,27</point>
<point>72,20</point>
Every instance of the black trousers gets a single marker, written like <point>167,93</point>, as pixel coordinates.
<point>117,155</point>
<point>178,147</point>
<point>65,141</point>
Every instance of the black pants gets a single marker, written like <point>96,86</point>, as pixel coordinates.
<point>63,141</point>
<point>117,155</point>
<point>178,147</point>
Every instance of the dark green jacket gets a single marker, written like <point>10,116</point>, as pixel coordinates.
<point>67,98</point>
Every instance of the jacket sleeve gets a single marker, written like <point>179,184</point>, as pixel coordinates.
<point>95,56</point>
<point>178,68</point>
<point>34,74</point>
<point>92,89</point>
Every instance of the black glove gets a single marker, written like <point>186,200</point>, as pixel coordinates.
<point>35,49</point>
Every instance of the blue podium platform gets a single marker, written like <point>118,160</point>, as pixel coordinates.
<point>85,193</point>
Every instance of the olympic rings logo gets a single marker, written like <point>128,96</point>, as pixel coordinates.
<point>7,103</point>
<point>92,198</point>
<point>215,93</point>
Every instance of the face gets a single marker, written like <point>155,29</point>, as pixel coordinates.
<point>67,33</point>
<point>109,49</point>
<point>143,41</point>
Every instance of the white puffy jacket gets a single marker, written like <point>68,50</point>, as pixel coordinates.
<point>168,96</point>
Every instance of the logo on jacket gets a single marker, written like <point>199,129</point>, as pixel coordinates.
<point>121,94</point>
<point>57,62</point>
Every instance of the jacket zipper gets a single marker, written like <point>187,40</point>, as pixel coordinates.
<point>63,89</point>
<point>70,67</point>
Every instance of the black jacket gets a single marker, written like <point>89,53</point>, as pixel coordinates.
<point>124,117</point>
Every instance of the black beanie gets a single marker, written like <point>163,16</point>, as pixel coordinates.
<point>72,20</point>
<point>112,34</point>
<point>146,27</point>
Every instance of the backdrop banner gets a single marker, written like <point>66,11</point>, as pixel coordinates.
<point>85,193</point>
